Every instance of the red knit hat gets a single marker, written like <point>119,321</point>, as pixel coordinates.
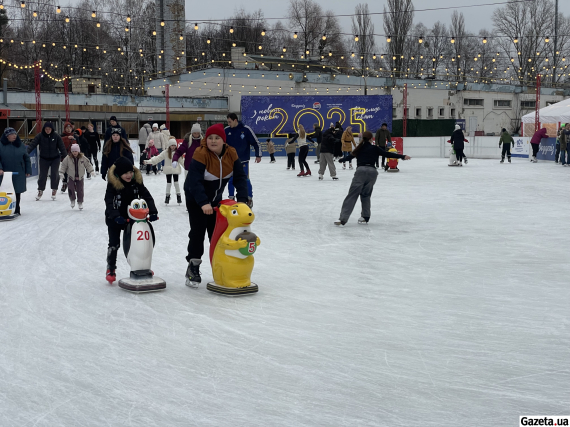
<point>217,130</point>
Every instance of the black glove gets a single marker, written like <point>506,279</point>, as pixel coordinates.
<point>103,176</point>
<point>153,217</point>
<point>120,220</point>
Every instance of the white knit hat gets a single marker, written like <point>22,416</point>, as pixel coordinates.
<point>196,128</point>
<point>162,127</point>
<point>155,125</point>
<point>457,127</point>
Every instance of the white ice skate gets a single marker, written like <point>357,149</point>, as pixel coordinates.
<point>72,204</point>
<point>80,206</point>
<point>362,220</point>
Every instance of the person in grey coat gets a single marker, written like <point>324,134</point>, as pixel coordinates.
<point>144,132</point>
<point>365,176</point>
<point>14,158</point>
<point>52,150</point>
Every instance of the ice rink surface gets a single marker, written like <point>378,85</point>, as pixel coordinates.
<point>450,308</point>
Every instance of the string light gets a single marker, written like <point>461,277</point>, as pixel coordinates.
<point>128,18</point>
<point>93,14</point>
<point>389,39</point>
<point>231,30</point>
<point>196,26</point>
<point>295,35</point>
<point>58,10</point>
<point>421,40</point>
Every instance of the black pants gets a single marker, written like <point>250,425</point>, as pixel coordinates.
<point>169,178</point>
<point>17,210</point>
<point>142,148</point>
<point>459,154</point>
<point>272,157</point>
<point>557,155</point>
<point>45,165</point>
<point>507,150</point>
<point>291,160</point>
<point>114,231</point>
<point>148,167</point>
<point>303,151</point>
<point>535,148</point>
<point>199,224</point>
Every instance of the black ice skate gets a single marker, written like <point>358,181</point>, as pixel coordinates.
<point>64,187</point>
<point>167,200</point>
<point>179,199</point>
<point>193,278</point>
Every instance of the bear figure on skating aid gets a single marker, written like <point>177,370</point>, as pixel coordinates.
<point>391,164</point>
<point>7,197</point>
<point>138,244</point>
<point>232,248</point>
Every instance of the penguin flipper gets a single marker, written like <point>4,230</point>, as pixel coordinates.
<point>151,232</point>
<point>127,239</point>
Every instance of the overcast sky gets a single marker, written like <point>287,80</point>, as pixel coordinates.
<point>476,17</point>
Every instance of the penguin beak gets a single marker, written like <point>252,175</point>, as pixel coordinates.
<point>139,213</point>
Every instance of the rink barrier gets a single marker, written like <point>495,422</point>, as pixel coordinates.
<point>479,147</point>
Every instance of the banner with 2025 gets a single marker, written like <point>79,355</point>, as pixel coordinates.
<point>278,116</point>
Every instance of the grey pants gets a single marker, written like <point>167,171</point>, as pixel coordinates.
<point>45,165</point>
<point>362,185</point>
<point>324,160</point>
<point>318,150</point>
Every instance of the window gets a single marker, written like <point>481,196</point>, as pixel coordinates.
<point>91,88</point>
<point>418,112</point>
<point>473,102</point>
<point>394,112</point>
<point>441,111</point>
<point>502,103</point>
<point>430,112</point>
<point>452,113</point>
<point>528,104</point>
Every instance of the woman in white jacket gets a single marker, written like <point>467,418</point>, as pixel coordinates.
<point>170,172</point>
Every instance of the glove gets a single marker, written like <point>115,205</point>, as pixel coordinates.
<point>147,162</point>
<point>174,165</point>
<point>103,176</point>
<point>153,217</point>
<point>61,176</point>
<point>120,220</point>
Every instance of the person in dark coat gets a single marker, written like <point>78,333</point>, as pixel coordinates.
<point>125,185</point>
<point>317,138</point>
<point>114,148</point>
<point>383,135</point>
<point>338,144</point>
<point>51,151</point>
<point>329,140</point>
<point>94,141</point>
<point>14,158</point>
<point>364,178</point>
<point>458,140</point>
<point>114,124</point>
<point>192,140</point>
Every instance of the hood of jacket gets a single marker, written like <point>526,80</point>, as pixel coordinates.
<point>118,183</point>
<point>17,142</point>
<point>147,126</point>
<point>65,125</point>
<point>47,125</point>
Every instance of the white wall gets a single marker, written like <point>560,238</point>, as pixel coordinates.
<point>479,147</point>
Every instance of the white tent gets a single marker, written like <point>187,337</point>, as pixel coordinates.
<point>555,113</point>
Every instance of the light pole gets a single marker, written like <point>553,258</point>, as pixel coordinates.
<point>555,62</point>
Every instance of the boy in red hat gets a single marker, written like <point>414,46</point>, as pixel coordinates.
<point>212,166</point>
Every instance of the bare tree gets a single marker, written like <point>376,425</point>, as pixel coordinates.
<point>306,15</point>
<point>398,20</point>
<point>363,28</point>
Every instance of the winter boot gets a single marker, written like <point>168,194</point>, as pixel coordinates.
<point>167,200</point>
<point>64,187</point>
<point>39,196</point>
<point>53,194</point>
<point>179,199</point>
<point>193,278</point>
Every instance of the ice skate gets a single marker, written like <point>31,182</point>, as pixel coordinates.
<point>72,204</point>
<point>459,164</point>
<point>193,278</point>
<point>363,220</point>
<point>167,200</point>
<point>40,194</point>
<point>288,168</point>
<point>509,160</point>
<point>250,202</point>
<point>344,166</point>
<point>80,206</point>
<point>179,199</point>
<point>64,187</point>
<point>231,197</point>
<point>111,276</point>
<point>301,174</point>
<point>317,162</point>
<point>272,161</point>
<point>320,177</point>
<point>502,161</point>
<point>88,176</point>
<point>350,166</point>
<point>340,223</point>
<point>308,173</point>
<point>465,160</point>
<point>335,178</point>
<point>53,194</point>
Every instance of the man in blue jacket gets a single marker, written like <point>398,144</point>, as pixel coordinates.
<point>242,137</point>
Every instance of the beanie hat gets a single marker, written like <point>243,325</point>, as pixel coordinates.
<point>155,125</point>
<point>385,124</point>
<point>172,141</point>
<point>457,127</point>
<point>332,125</point>
<point>113,118</point>
<point>217,130</point>
<point>116,130</point>
<point>122,166</point>
<point>196,128</point>
<point>162,127</point>
<point>503,130</point>
<point>10,131</point>
<point>75,147</point>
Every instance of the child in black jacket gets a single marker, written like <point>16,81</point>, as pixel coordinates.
<point>125,184</point>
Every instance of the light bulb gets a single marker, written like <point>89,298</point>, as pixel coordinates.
<point>93,14</point>
<point>295,35</point>
<point>196,26</point>
<point>231,30</point>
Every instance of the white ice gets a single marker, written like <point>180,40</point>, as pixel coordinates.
<point>450,308</point>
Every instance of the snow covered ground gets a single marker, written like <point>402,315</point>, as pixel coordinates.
<point>450,308</point>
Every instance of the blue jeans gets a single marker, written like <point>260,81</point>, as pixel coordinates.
<point>346,153</point>
<point>231,188</point>
<point>563,154</point>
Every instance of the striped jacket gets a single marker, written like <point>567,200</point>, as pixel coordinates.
<point>209,174</point>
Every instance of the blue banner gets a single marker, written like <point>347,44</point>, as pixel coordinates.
<point>547,149</point>
<point>279,115</point>
<point>34,161</point>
